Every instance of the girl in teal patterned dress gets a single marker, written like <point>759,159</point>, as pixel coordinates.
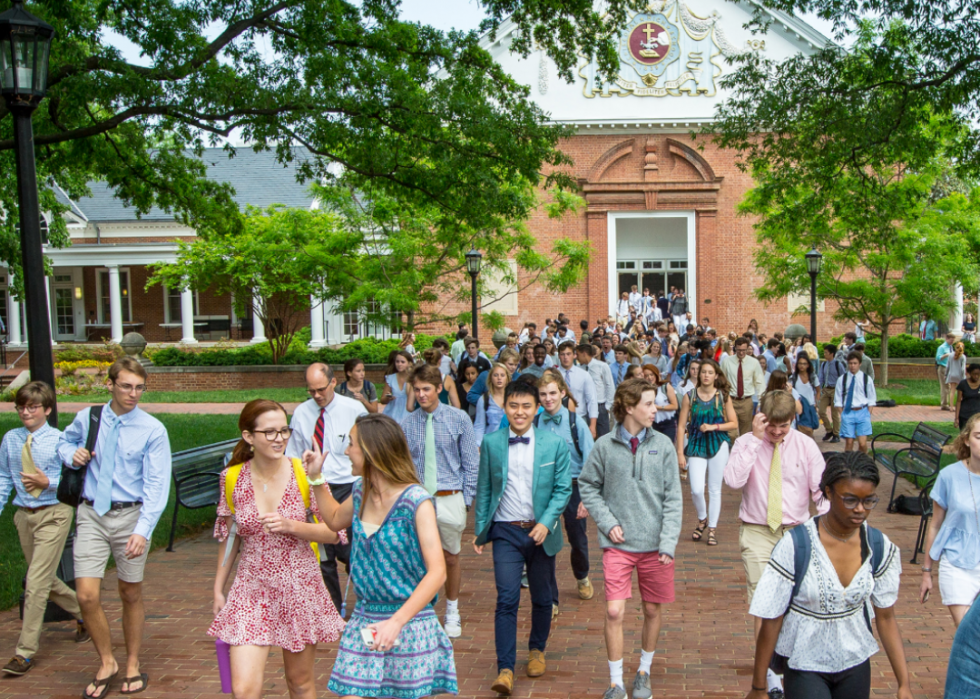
<point>712,415</point>
<point>397,568</point>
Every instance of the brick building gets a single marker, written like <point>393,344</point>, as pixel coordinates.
<point>661,206</point>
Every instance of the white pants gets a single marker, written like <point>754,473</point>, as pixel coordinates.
<point>714,469</point>
<point>681,323</point>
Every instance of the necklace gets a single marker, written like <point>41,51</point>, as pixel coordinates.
<point>976,512</point>
<point>844,539</point>
<point>265,483</point>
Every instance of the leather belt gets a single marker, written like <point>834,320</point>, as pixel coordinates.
<point>115,505</point>
<point>523,524</point>
<point>742,398</point>
<point>34,510</point>
<point>444,493</point>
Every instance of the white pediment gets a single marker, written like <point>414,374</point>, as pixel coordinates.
<point>672,57</point>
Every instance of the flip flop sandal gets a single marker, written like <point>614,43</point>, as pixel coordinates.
<point>142,677</point>
<point>99,684</point>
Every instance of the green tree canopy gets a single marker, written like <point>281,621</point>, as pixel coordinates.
<point>425,115</point>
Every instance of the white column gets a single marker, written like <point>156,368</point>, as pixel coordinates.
<point>187,317</point>
<point>13,317</point>
<point>956,318</point>
<point>317,338</point>
<point>115,305</point>
<point>258,327</point>
<point>47,296</point>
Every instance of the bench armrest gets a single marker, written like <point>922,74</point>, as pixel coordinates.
<point>901,438</point>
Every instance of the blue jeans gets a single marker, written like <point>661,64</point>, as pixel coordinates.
<point>578,538</point>
<point>963,671</point>
<point>513,549</point>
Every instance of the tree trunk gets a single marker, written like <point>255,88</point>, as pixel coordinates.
<point>884,354</point>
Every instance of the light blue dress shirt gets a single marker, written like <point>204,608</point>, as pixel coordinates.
<point>958,492</point>
<point>44,449</point>
<point>619,371</point>
<point>142,465</point>
<point>943,354</point>
<point>564,431</point>
<point>582,388</point>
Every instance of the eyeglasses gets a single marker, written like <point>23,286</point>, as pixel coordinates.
<point>29,409</point>
<point>127,388</point>
<point>850,502</point>
<point>313,392</point>
<point>271,435</point>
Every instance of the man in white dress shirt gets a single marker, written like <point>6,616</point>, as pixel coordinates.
<point>855,395</point>
<point>605,387</point>
<point>634,298</point>
<point>580,385</point>
<point>325,420</point>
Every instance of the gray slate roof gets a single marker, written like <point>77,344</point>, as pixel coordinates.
<point>256,177</point>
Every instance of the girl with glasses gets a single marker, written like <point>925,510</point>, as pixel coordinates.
<point>822,634</point>
<point>278,597</point>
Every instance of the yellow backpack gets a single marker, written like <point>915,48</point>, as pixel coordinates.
<point>231,479</point>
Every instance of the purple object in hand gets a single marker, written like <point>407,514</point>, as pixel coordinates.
<point>224,664</point>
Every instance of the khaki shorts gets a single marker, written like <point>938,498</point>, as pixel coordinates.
<point>96,537</point>
<point>756,542</point>
<point>451,519</point>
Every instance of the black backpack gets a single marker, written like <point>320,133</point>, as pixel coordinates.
<point>72,481</point>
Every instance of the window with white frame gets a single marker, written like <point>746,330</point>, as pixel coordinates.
<point>172,308</point>
<point>105,313</point>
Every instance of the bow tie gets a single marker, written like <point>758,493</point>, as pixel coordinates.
<point>519,440</point>
<point>553,418</point>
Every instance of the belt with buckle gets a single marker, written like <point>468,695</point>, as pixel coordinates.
<point>115,505</point>
<point>34,510</point>
<point>523,524</point>
<point>444,493</point>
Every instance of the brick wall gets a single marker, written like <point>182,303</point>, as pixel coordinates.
<point>238,378</point>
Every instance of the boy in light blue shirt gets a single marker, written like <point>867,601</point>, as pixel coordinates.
<point>555,417</point>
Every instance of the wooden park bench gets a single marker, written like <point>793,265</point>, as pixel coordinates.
<point>196,474</point>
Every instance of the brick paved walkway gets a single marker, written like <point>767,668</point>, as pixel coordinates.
<point>705,649</point>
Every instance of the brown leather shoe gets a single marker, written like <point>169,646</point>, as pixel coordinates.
<point>504,684</point>
<point>585,589</point>
<point>18,665</point>
<point>535,664</point>
<point>81,633</point>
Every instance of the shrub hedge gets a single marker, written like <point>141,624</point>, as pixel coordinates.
<point>369,349</point>
<point>902,346</point>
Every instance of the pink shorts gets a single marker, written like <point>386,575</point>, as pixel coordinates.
<point>656,579</point>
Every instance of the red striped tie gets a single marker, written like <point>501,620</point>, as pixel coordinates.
<point>318,431</point>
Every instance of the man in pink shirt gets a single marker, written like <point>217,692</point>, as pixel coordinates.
<point>778,471</point>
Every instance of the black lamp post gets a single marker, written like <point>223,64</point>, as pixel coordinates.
<point>813,261</point>
<point>473,261</point>
<point>25,44</point>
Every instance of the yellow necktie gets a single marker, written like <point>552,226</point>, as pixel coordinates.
<point>774,513</point>
<point>27,464</point>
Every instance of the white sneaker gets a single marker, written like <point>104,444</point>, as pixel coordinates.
<point>453,626</point>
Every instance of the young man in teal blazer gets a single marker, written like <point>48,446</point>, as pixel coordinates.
<point>523,487</point>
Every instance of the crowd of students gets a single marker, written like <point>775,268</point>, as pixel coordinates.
<point>553,431</point>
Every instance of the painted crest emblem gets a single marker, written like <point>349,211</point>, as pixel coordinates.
<point>649,44</point>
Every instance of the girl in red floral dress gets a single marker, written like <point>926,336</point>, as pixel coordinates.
<point>278,597</point>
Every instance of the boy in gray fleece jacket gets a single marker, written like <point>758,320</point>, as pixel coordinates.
<point>631,487</point>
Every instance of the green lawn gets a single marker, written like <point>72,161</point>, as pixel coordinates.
<point>186,431</point>
<point>283,395</point>
<point>913,392</point>
<point>906,428</point>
